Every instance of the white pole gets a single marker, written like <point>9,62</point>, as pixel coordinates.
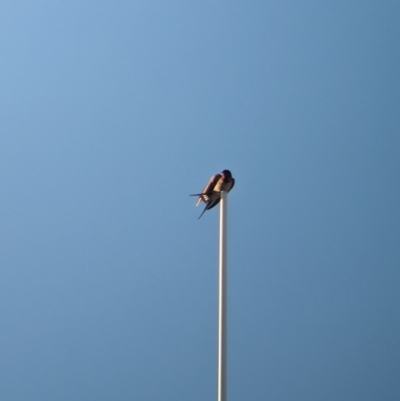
<point>222,319</point>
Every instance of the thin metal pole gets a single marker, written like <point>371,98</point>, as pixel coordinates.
<point>222,318</point>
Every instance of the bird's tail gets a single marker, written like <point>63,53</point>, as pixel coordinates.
<point>206,208</point>
<point>205,193</point>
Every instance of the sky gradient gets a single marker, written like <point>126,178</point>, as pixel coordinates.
<point>112,113</point>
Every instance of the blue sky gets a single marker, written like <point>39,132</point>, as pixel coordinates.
<point>113,112</point>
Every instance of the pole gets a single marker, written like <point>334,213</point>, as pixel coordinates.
<point>222,318</point>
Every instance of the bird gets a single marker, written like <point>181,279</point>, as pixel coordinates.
<point>211,194</point>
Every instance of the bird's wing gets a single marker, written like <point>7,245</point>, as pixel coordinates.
<point>208,189</point>
<point>213,203</point>
<point>210,205</point>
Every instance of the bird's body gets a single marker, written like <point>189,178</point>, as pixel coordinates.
<point>211,194</point>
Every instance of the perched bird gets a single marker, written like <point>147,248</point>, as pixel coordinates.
<point>211,194</point>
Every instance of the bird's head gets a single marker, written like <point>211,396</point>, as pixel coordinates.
<point>226,174</point>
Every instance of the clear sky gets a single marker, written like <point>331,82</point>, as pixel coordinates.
<point>113,112</point>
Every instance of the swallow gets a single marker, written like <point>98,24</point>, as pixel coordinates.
<point>211,194</point>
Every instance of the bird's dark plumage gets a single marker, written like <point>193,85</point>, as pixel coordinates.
<point>211,194</point>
